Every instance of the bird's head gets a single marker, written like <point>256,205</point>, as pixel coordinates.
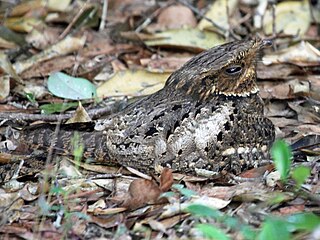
<point>228,69</point>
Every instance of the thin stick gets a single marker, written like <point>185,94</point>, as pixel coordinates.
<point>67,30</point>
<point>104,15</point>
<point>93,113</point>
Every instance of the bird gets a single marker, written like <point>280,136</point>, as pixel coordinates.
<point>207,118</point>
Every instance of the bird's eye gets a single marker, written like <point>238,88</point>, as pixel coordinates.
<point>233,70</point>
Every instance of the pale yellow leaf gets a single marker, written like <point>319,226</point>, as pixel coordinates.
<point>22,24</point>
<point>132,83</point>
<point>189,39</point>
<point>58,5</point>
<point>291,17</point>
<point>80,115</point>
<point>218,14</point>
<point>302,54</point>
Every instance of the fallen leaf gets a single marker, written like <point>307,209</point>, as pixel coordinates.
<point>257,172</point>
<point>132,83</point>
<point>42,37</point>
<point>189,39</point>
<point>164,65</point>
<point>4,86</point>
<point>273,178</point>
<point>291,17</point>
<point>68,87</point>
<point>277,71</point>
<point>219,15</point>
<point>283,89</point>
<point>64,47</point>
<point>173,209</point>
<point>166,179</point>
<point>24,7</point>
<point>157,226</point>
<point>302,54</point>
<point>80,115</point>
<point>167,18</point>
<point>141,192</point>
<point>49,66</point>
<point>57,5</point>
<point>291,210</point>
<point>8,68</point>
<point>23,24</point>
<point>305,114</point>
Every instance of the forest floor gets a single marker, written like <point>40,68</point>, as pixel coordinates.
<point>123,50</point>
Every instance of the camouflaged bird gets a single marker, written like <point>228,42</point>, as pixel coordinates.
<point>207,118</point>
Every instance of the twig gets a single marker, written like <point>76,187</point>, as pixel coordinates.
<point>149,19</point>
<point>67,30</point>
<point>225,32</point>
<point>196,11</point>
<point>104,15</point>
<point>93,113</point>
<point>274,30</point>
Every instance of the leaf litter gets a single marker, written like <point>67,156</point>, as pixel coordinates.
<point>141,45</point>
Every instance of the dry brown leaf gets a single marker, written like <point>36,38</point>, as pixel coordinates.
<point>277,90</point>
<point>157,226</point>
<point>64,47</point>
<point>43,36</point>
<point>80,115</point>
<point>160,65</point>
<point>53,65</point>
<point>302,54</point>
<point>291,210</point>
<point>277,71</point>
<point>305,114</point>
<point>141,192</point>
<point>7,44</point>
<point>188,178</point>
<point>166,179</point>
<point>257,172</point>
<point>278,109</point>
<point>7,67</point>
<point>167,19</point>
<point>284,89</point>
<point>283,122</point>
<point>174,220</point>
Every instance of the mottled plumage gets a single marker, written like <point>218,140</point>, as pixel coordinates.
<point>207,118</point>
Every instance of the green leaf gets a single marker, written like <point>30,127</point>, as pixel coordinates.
<point>248,232</point>
<point>58,190</point>
<point>281,154</point>
<point>57,107</point>
<point>212,232</point>
<point>184,191</point>
<point>167,195</point>
<point>274,228</point>
<point>203,211</point>
<point>31,97</point>
<point>65,86</point>
<point>300,174</point>
<point>304,221</point>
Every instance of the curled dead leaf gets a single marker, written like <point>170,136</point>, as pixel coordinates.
<point>166,179</point>
<point>141,191</point>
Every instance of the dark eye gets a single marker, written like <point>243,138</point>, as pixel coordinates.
<point>233,70</point>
